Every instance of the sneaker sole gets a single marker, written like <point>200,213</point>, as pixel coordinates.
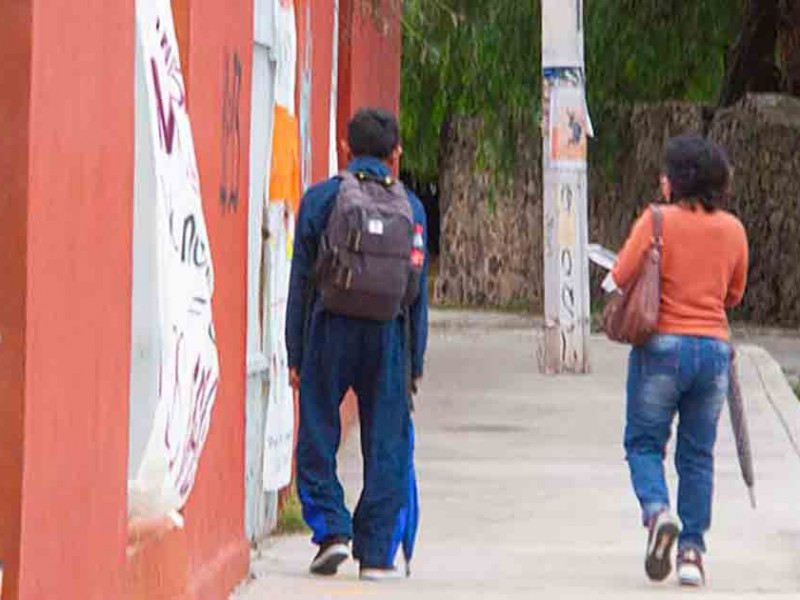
<point>370,575</point>
<point>658,564</point>
<point>328,564</point>
<point>694,579</point>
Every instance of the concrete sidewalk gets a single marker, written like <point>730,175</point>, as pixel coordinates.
<point>525,492</point>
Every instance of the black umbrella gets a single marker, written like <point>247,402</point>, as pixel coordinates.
<point>740,430</point>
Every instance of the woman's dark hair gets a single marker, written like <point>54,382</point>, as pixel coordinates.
<point>698,171</point>
<point>373,132</point>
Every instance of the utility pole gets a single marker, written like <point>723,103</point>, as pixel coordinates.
<point>565,128</point>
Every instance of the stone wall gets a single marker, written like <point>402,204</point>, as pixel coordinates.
<point>491,248</point>
<point>762,136</point>
<point>493,257</point>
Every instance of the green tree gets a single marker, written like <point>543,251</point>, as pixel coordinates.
<point>465,58</point>
<point>482,58</point>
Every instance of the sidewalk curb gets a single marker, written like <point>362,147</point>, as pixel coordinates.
<point>446,319</point>
<point>773,385</point>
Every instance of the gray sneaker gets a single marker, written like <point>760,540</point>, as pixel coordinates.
<point>332,553</point>
<point>664,531</point>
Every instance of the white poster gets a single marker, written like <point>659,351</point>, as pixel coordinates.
<point>285,174</point>
<point>286,54</point>
<point>305,102</point>
<point>280,410</point>
<point>189,367</point>
<point>333,155</point>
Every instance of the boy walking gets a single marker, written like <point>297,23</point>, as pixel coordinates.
<point>357,319</point>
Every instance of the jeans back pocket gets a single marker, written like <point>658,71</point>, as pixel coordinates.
<point>661,355</point>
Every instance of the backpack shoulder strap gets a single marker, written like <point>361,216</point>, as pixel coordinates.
<point>345,175</point>
<point>658,224</point>
<point>386,181</point>
<point>310,289</point>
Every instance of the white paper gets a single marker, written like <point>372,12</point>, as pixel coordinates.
<point>609,285</point>
<point>333,154</point>
<point>286,54</point>
<point>189,367</point>
<point>602,257</point>
<point>280,411</point>
<point>605,258</point>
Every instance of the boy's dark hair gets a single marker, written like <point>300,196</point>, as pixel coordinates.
<point>373,132</point>
<point>698,170</point>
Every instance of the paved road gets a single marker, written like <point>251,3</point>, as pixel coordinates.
<point>525,490</point>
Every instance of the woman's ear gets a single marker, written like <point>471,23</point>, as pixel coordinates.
<point>666,188</point>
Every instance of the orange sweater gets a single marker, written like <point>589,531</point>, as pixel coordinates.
<point>703,268</point>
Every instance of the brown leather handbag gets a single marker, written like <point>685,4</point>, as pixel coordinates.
<point>631,314</point>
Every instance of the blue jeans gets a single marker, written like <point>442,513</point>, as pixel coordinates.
<point>689,376</point>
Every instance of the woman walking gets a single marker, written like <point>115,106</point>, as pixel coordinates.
<point>683,369</point>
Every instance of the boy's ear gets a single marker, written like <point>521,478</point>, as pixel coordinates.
<point>346,151</point>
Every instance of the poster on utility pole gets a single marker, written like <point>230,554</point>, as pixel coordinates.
<point>188,373</point>
<point>568,128</point>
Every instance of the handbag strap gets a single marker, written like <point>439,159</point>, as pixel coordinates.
<point>658,225</point>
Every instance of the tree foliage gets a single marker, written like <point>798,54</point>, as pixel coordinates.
<point>482,58</point>
<point>465,58</point>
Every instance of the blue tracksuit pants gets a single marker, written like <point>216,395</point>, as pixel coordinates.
<point>370,358</point>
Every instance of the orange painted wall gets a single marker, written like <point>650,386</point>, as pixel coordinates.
<point>322,21</point>
<point>368,71</point>
<point>221,38</point>
<point>15,72</point>
<point>66,202</point>
<point>70,231</point>
<point>370,51</point>
<point>211,556</point>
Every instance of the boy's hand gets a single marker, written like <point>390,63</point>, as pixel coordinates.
<point>294,379</point>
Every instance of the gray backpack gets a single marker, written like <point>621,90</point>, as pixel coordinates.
<point>371,253</point>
